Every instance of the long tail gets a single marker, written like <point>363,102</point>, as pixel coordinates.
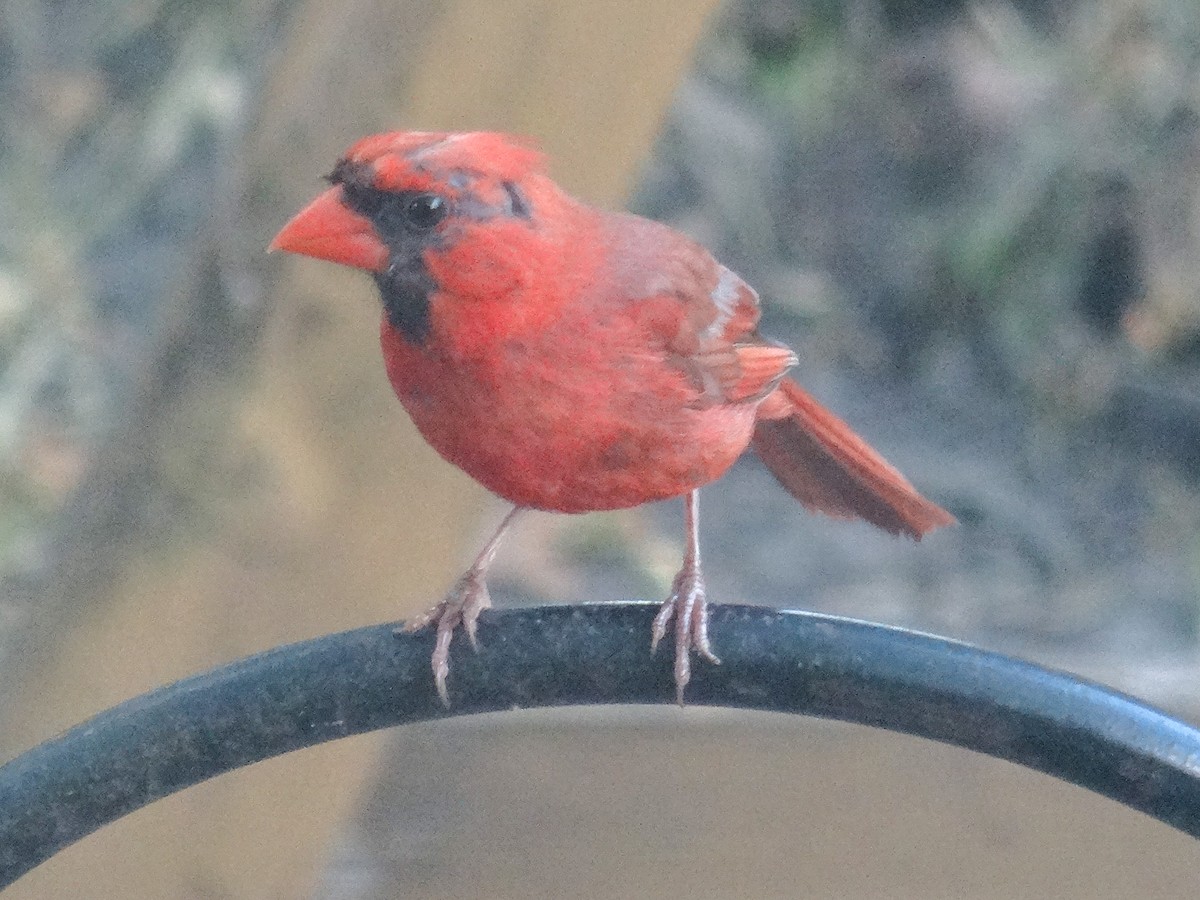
<point>829,468</point>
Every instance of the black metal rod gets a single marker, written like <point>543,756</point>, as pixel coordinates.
<point>307,693</point>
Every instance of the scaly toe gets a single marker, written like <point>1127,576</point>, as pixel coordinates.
<point>700,642</point>
<point>662,622</point>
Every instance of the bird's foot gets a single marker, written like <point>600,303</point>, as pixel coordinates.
<point>688,607</point>
<point>461,606</point>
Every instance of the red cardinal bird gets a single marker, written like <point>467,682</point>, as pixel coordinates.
<point>573,360</point>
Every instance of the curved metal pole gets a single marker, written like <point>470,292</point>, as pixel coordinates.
<point>358,681</point>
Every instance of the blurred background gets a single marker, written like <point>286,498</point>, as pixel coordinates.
<point>977,224</point>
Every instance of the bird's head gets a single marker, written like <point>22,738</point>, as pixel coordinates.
<point>402,202</point>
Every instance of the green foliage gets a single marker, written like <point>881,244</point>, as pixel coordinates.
<point>999,144</point>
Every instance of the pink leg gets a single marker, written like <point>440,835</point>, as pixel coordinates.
<point>462,605</point>
<point>687,606</point>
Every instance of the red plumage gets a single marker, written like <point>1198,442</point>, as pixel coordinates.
<point>572,359</point>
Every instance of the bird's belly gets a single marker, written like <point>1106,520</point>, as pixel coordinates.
<point>575,449</point>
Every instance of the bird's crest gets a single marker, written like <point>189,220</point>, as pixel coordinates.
<point>425,160</point>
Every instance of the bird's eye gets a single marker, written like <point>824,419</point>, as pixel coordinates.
<point>424,211</point>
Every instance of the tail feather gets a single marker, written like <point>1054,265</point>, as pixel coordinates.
<point>830,469</point>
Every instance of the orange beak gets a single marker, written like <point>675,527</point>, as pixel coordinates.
<point>328,229</point>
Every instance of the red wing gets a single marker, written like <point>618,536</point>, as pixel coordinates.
<point>705,316</point>
<point>737,373</point>
<point>718,344</point>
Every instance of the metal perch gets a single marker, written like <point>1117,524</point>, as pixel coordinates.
<point>303,694</point>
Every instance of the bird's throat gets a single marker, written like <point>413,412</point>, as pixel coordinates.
<point>407,289</point>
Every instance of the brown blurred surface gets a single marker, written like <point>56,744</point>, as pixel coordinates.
<point>630,803</point>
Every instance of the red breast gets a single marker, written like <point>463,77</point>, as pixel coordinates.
<point>566,358</point>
